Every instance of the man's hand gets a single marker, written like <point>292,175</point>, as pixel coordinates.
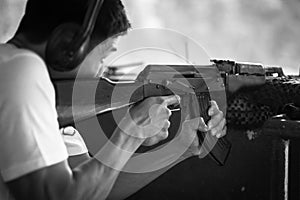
<point>150,119</point>
<point>217,123</point>
<point>216,127</point>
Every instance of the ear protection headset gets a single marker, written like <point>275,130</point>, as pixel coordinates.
<point>69,43</point>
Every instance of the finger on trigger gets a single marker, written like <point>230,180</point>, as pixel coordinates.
<point>171,100</point>
<point>168,112</point>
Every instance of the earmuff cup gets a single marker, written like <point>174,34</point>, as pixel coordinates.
<point>69,43</point>
<point>65,51</point>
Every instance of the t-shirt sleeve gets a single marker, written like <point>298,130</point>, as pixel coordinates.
<point>29,130</point>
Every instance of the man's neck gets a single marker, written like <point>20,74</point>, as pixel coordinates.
<point>21,41</point>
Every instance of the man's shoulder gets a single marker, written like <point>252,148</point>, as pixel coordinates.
<point>20,57</point>
<point>23,72</point>
<point>21,63</point>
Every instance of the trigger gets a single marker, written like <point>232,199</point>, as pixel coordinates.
<point>174,107</point>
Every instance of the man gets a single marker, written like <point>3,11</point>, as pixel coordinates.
<point>33,156</point>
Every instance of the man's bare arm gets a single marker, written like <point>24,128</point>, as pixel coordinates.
<point>74,161</point>
<point>91,180</point>
<point>129,183</point>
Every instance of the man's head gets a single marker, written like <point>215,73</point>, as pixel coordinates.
<point>42,17</point>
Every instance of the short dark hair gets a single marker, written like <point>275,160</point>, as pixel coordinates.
<point>43,16</point>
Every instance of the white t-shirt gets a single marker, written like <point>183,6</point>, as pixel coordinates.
<point>30,138</point>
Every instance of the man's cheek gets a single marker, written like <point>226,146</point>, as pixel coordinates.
<point>89,68</point>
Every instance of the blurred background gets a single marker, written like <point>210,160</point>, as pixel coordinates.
<point>260,31</point>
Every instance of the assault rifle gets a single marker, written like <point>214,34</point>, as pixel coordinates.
<point>84,98</point>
